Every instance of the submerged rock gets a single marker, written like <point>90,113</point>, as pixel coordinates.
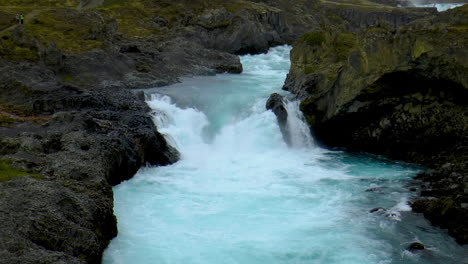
<point>415,246</point>
<point>377,209</point>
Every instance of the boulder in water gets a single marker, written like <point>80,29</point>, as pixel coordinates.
<point>276,104</point>
<point>377,209</point>
<point>416,246</point>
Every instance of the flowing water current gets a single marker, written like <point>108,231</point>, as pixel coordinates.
<point>239,194</point>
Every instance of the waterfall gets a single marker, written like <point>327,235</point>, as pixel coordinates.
<point>297,127</point>
<point>240,195</point>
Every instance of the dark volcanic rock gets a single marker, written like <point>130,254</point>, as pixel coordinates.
<point>275,103</point>
<point>46,216</point>
<point>359,18</point>
<point>247,31</point>
<point>377,209</point>
<point>81,141</point>
<point>416,246</point>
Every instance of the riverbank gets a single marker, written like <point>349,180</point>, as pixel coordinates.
<point>395,93</point>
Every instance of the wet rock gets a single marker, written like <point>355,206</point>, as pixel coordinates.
<point>275,103</point>
<point>415,246</point>
<point>376,189</point>
<point>377,209</point>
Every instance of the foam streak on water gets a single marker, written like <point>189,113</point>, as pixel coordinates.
<point>240,195</point>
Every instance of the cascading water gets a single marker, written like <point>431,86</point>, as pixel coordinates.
<point>298,130</point>
<point>239,194</point>
<point>440,6</point>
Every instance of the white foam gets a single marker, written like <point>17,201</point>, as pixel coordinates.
<point>240,194</point>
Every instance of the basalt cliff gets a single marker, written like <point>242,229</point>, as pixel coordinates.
<point>398,92</point>
<point>71,126</point>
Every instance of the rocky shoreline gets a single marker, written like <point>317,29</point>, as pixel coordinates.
<point>71,125</point>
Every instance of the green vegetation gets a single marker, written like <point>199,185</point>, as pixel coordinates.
<point>76,30</point>
<point>337,46</point>
<point>12,50</point>
<point>134,20</point>
<point>314,38</point>
<point>41,3</point>
<point>68,28</point>
<point>311,69</point>
<point>420,47</point>
<point>135,17</point>
<point>344,43</point>
<point>8,14</point>
<point>8,172</point>
<point>459,28</point>
<point>181,7</point>
<point>11,114</point>
<point>67,78</point>
<point>356,3</point>
<point>6,120</point>
<point>18,110</point>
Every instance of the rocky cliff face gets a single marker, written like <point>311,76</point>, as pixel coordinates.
<point>398,93</point>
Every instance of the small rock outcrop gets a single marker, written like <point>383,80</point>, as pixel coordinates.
<point>415,246</point>
<point>275,103</point>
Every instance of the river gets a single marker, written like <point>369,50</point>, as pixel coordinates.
<point>239,194</point>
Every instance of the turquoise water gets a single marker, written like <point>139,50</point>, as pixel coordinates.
<point>239,194</point>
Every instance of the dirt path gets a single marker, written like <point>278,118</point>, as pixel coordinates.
<point>90,3</point>
<point>27,18</point>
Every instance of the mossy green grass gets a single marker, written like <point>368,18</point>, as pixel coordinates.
<point>8,171</point>
<point>40,4</point>
<point>68,28</point>
<point>6,120</point>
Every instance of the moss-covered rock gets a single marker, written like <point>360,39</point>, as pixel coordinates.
<point>398,93</point>
<point>8,171</point>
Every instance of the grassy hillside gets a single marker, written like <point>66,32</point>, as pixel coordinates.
<point>40,4</point>
<point>74,30</point>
